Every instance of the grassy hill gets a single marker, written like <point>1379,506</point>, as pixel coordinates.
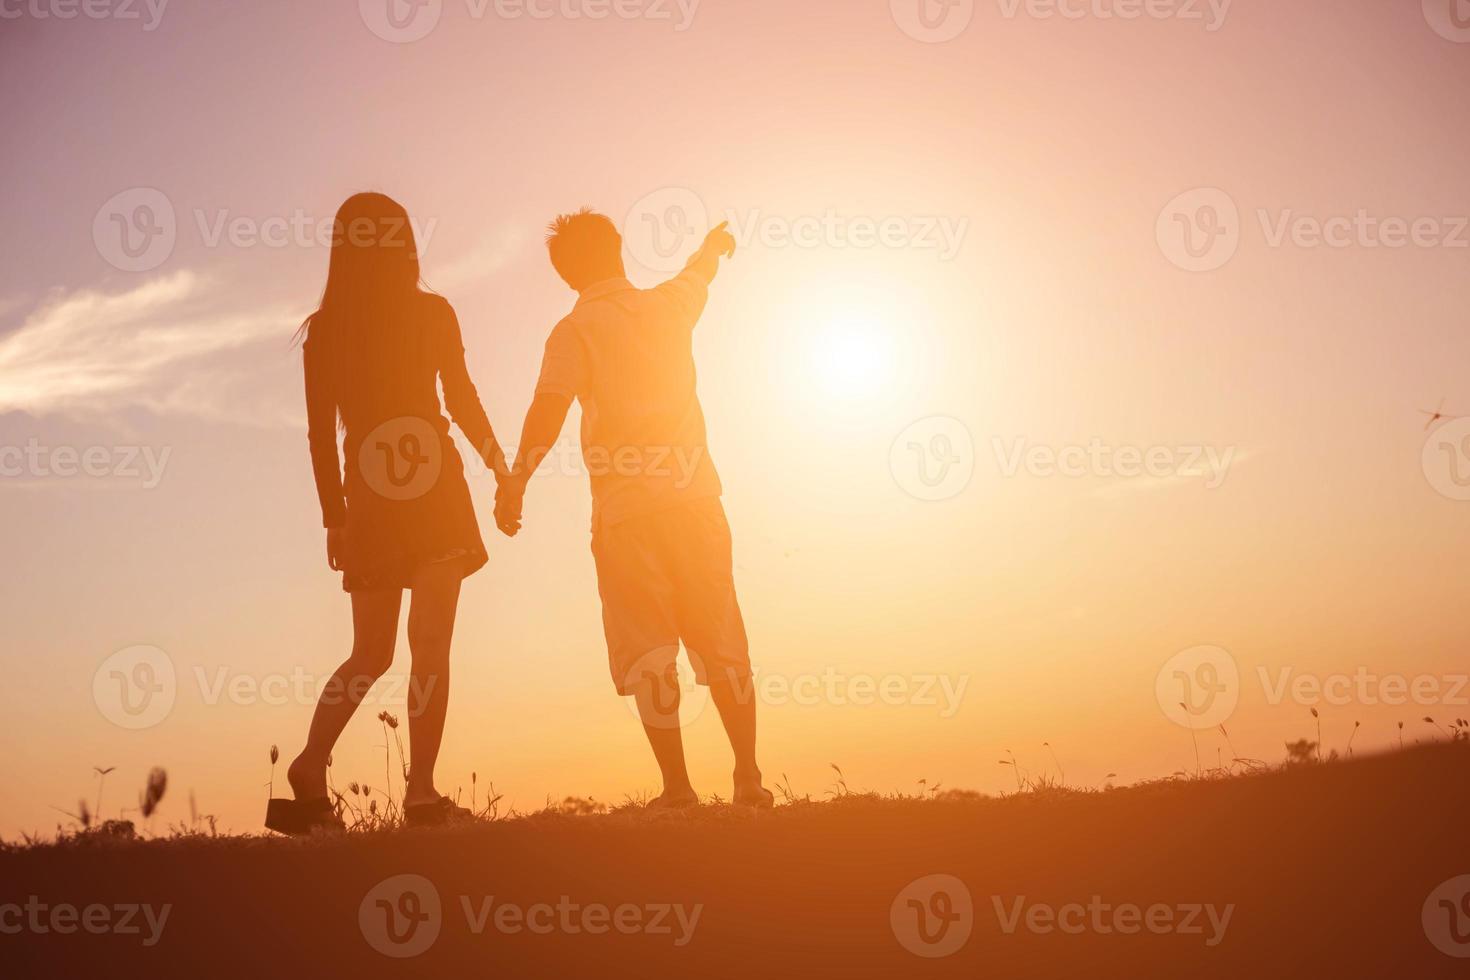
<point>1334,870</point>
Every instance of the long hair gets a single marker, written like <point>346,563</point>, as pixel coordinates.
<point>373,272</point>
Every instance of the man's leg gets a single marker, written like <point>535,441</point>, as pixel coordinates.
<point>643,643</point>
<point>714,630</point>
<point>735,699</point>
<point>657,697</point>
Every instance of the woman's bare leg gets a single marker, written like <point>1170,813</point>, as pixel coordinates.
<point>374,633</point>
<point>430,632</point>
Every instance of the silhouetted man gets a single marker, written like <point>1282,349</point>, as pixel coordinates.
<point>659,534</point>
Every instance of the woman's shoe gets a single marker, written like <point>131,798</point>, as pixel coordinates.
<point>297,818</point>
<point>442,811</point>
<point>756,796</point>
<point>673,801</point>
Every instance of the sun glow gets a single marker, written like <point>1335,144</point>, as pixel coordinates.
<point>851,356</point>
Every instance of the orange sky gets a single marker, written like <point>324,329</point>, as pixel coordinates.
<point>985,230</point>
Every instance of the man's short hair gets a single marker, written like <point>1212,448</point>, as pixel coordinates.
<point>585,248</point>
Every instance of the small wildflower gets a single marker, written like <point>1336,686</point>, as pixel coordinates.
<point>153,792</point>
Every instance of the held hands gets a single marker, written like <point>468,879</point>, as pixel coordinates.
<point>510,495</point>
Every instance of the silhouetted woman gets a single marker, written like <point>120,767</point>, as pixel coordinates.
<point>402,517</point>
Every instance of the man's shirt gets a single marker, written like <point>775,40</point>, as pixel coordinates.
<point>627,355</point>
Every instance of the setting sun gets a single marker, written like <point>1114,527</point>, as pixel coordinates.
<point>849,347</point>
<point>851,356</point>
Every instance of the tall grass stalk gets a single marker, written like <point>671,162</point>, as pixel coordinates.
<point>1199,768</point>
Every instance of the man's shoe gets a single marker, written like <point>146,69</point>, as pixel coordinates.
<point>442,811</point>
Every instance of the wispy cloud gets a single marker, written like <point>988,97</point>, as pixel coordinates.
<point>176,344</point>
<point>156,346</point>
<point>476,264</point>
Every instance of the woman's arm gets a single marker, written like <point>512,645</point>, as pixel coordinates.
<point>321,433</point>
<point>463,401</point>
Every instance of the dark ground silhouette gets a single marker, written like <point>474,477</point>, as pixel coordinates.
<point>1328,868</point>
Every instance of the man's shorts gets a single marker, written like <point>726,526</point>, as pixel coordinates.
<point>668,577</point>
